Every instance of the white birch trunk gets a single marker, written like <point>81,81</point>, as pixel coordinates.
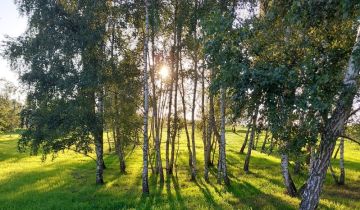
<point>333,128</point>
<point>341,162</point>
<point>222,169</point>
<point>288,182</point>
<point>145,184</point>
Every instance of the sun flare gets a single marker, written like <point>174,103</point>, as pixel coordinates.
<point>164,72</point>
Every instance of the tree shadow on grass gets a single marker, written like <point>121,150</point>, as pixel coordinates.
<point>207,194</point>
<point>271,180</point>
<point>155,195</point>
<point>237,132</point>
<point>173,196</point>
<point>177,192</point>
<point>170,196</point>
<point>44,186</point>
<point>7,154</point>
<point>213,172</point>
<point>72,185</point>
<point>251,196</point>
<point>247,195</point>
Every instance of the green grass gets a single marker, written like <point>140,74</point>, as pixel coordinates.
<point>68,182</point>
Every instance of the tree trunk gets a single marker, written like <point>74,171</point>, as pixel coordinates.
<point>208,146</point>
<point>271,148</point>
<point>171,138</point>
<point>108,139</point>
<point>193,171</point>
<point>98,136</point>
<point>222,169</point>
<point>213,148</point>
<point>206,138</point>
<point>265,140</point>
<point>333,128</point>
<point>122,158</point>
<point>341,162</point>
<point>188,144</point>
<point>336,152</point>
<point>117,138</point>
<point>246,139</point>
<point>251,142</point>
<point>257,139</point>
<point>216,136</point>
<point>120,151</point>
<point>297,167</point>
<point>336,180</point>
<point>176,118</point>
<point>99,159</point>
<point>312,157</point>
<point>158,160</point>
<point>168,131</point>
<point>145,183</point>
<point>289,184</point>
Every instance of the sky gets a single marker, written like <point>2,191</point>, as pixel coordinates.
<point>11,24</point>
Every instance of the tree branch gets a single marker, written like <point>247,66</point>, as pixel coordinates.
<point>349,138</point>
<point>82,153</point>
<point>354,112</point>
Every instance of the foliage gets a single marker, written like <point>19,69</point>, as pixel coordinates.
<point>68,69</point>
<point>292,63</point>
<point>10,109</point>
<point>282,66</point>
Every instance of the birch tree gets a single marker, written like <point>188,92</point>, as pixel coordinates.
<point>334,127</point>
<point>145,182</point>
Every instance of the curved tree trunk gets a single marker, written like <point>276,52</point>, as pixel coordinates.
<point>251,142</point>
<point>289,184</point>
<point>246,139</point>
<point>333,128</point>
<point>336,152</point>
<point>336,180</point>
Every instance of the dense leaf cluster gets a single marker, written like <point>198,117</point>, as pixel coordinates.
<point>64,57</point>
<point>289,59</point>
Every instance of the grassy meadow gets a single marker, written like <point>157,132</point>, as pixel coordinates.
<point>68,181</point>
